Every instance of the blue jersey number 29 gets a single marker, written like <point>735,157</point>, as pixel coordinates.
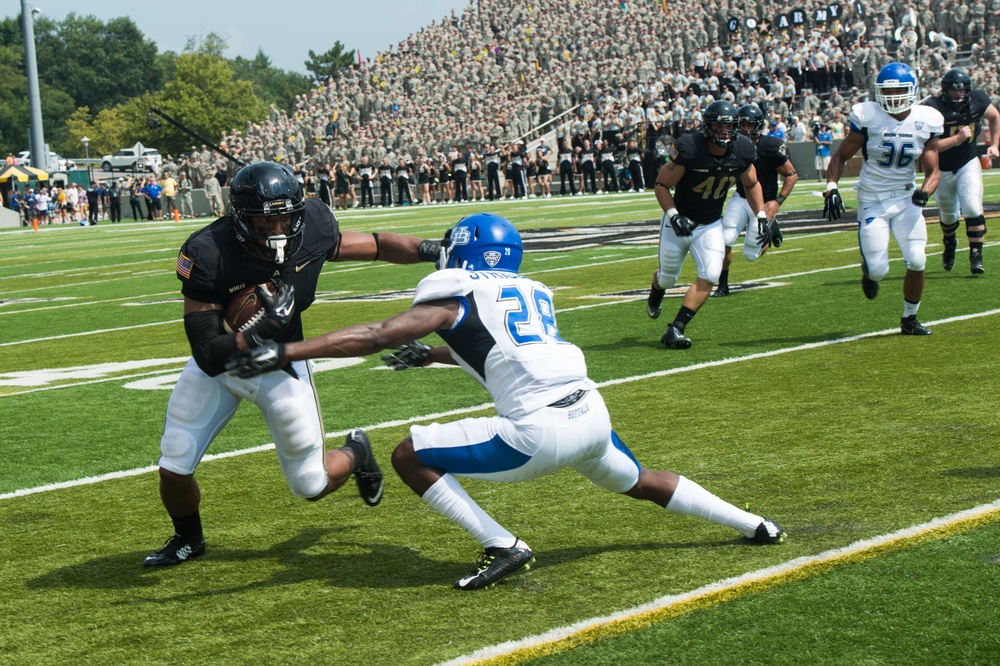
<point>530,321</point>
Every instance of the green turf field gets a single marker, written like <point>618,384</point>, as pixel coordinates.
<point>798,398</point>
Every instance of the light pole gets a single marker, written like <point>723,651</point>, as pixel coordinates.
<point>86,151</point>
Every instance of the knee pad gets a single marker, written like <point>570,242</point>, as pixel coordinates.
<point>178,451</point>
<point>975,227</point>
<point>878,270</point>
<point>306,477</point>
<point>665,281</point>
<point>917,261</point>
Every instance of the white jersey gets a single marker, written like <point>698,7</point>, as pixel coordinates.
<point>506,337</point>
<point>892,148</point>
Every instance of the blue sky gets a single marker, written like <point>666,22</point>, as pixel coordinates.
<point>370,26</point>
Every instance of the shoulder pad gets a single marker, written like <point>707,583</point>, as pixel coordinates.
<point>863,113</point>
<point>685,148</point>
<point>446,283</point>
<point>932,118</point>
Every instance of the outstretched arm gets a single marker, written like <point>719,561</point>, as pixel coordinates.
<point>385,246</point>
<point>364,339</point>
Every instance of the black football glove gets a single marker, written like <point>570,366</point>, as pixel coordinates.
<point>777,238</point>
<point>763,230</point>
<point>268,355</point>
<point>833,207</point>
<point>430,251</point>
<point>920,198</point>
<point>411,355</point>
<point>682,225</point>
<point>278,310</point>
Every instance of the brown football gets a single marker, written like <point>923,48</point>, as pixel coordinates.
<point>245,309</point>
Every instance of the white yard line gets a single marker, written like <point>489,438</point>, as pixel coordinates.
<point>467,410</point>
<point>526,646</point>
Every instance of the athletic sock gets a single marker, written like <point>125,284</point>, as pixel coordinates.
<point>189,525</point>
<point>683,318</point>
<point>724,279</point>
<point>691,499</point>
<point>910,309</point>
<point>448,498</point>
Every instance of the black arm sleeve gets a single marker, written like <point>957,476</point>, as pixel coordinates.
<point>211,346</point>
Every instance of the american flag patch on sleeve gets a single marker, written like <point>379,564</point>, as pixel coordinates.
<point>184,265</point>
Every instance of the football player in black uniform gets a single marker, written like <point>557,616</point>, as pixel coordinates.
<point>772,159</point>
<point>960,192</point>
<point>272,233</point>
<point>702,167</point>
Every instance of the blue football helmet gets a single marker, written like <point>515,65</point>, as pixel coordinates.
<point>484,242</point>
<point>896,77</point>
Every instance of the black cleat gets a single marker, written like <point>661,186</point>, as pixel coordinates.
<point>768,532</point>
<point>177,550</point>
<point>910,326</point>
<point>870,287</point>
<point>948,256</point>
<point>976,262</point>
<point>654,302</point>
<point>496,563</point>
<point>720,291</point>
<point>368,475</point>
<point>674,339</point>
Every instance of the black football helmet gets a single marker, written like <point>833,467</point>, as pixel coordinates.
<point>955,87</point>
<point>719,123</point>
<point>751,121</point>
<point>267,189</point>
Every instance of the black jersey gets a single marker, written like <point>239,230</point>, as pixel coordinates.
<point>955,118</point>
<point>772,153</point>
<point>213,266</point>
<point>587,158</point>
<point>702,190</point>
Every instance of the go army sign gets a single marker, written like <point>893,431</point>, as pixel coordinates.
<point>791,19</point>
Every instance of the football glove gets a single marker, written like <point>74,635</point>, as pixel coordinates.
<point>763,229</point>
<point>268,355</point>
<point>278,309</point>
<point>777,238</point>
<point>920,198</point>
<point>411,355</point>
<point>682,226</point>
<point>833,207</point>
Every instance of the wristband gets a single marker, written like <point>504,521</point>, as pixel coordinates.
<point>671,213</point>
<point>780,199</point>
<point>831,186</point>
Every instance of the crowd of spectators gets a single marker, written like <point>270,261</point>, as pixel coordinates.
<point>497,71</point>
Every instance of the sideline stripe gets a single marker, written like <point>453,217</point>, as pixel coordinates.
<point>665,608</point>
<point>478,408</point>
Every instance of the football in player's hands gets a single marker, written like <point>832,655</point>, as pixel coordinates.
<point>246,308</point>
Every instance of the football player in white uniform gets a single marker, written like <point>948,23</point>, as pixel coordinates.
<point>500,327</point>
<point>895,135</point>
